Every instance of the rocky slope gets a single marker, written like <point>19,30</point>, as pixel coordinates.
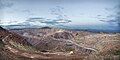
<point>56,44</point>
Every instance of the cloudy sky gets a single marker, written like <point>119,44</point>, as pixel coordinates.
<point>70,12</point>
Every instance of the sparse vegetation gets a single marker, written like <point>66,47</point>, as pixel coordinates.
<point>1,44</point>
<point>23,47</point>
<point>117,52</point>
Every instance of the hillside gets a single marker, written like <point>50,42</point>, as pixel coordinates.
<point>56,44</point>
